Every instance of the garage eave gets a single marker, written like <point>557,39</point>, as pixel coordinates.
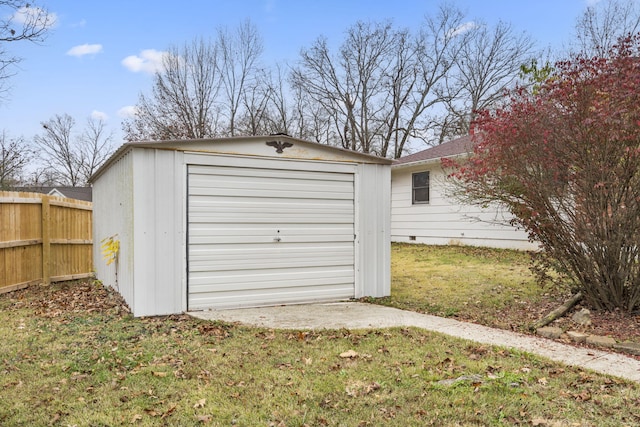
<point>221,146</point>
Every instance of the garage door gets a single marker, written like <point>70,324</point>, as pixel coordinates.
<point>268,236</point>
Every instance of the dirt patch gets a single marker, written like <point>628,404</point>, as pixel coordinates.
<point>618,325</point>
<point>517,317</point>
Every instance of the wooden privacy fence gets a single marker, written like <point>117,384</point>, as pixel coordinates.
<point>43,239</point>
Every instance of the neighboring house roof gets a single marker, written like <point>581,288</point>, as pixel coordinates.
<point>455,147</point>
<point>78,193</point>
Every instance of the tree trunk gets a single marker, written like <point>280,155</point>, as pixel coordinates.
<point>558,312</point>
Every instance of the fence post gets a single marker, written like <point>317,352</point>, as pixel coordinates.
<point>46,241</point>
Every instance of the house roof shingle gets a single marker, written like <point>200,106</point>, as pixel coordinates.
<point>451,148</point>
<point>78,193</point>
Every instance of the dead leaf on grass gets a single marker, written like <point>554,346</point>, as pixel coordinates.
<point>582,397</point>
<point>169,411</point>
<point>77,376</point>
<point>152,413</point>
<point>585,378</point>
<point>136,418</point>
<point>54,419</point>
<point>203,418</point>
<point>474,380</point>
<point>360,388</point>
<point>159,374</point>
<point>537,422</point>
<point>80,297</point>
<point>349,354</point>
<point>212,329</point>
<point>200,403</point>
<point>271,335</point>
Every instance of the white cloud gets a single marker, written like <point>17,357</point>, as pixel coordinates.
<point>127,112</point>
<point>99,115</point>
<point>269,6</point>
<point>79,24</point>
<point>467,26</point>
<point>149,61</point>
<point>85,49</point>
<point>35,15</point>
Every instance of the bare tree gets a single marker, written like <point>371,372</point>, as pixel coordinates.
<point>240,52</point>
<point>377,90</point>
<point>308,120</point>
<point>419,89</point>
<point>14,156</point>
<point>281,115</point>
<point>182,104</point>
<point>255,114</point>
<point>603,23</point>
<point>487,65</point>
<point>95,145</point>
<point>204,89</point>
<point>71,160</point>
<point>282,111</point>
<point>19,21</point>
<point>347,85</point>
<point>42,177</point>
<point>55,142</point>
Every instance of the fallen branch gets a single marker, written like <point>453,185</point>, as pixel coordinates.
<point>558,312</point>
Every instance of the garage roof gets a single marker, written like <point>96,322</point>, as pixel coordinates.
<point>197,145</point>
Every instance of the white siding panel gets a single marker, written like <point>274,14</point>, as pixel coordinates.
<point>269,278</point>
<point>284,255</point>
<point>259,236</point>
<point>226,171</point>
<point>373,225</point>
<point>113,207</point>
<point>160,248</point>
<point>258,163</point>
<point>444,220</point>
<point>285,295</point>
<point>266,232</point>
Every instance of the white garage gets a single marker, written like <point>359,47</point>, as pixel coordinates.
<point>242,222</point>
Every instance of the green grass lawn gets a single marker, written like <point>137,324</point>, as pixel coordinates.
<point>490,286</point>
<point>71,355</point>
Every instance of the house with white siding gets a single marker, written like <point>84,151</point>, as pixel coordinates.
<point>423,209</point>
<point>241,222</point>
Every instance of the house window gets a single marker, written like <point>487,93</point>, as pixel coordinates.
<point>420,188</point>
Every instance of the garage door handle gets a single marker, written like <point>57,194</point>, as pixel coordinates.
<point>276,239</point>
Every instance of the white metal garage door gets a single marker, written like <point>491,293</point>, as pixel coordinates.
<point>268,236</point>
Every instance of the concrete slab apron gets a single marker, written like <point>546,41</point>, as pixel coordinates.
<point>352,315</point>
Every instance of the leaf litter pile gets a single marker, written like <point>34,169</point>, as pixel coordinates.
<point>73,355</point>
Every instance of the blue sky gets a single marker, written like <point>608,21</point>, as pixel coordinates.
<point>100,55</point>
